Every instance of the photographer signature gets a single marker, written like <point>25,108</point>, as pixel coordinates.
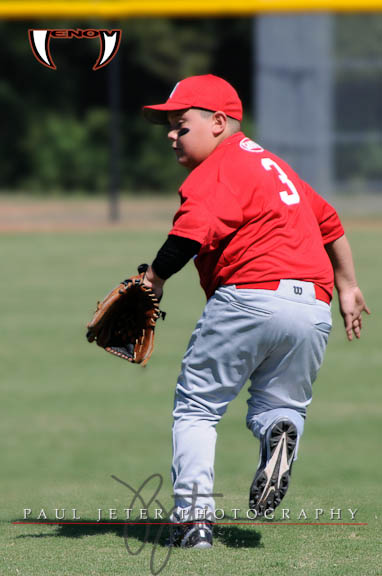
<point>157,481</point>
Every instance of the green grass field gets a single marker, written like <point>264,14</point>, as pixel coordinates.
<point>72,416</point>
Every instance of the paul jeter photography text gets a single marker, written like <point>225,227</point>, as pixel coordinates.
<point>152,509</point>
<point>158,514</point>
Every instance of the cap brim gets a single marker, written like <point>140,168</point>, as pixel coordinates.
<point>157,114</point>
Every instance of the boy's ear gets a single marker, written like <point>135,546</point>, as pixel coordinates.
<point>219,123</point>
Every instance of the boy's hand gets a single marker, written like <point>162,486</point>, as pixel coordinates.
<point>352,304</point>
<point>154,282</point>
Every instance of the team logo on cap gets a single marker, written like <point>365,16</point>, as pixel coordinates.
<point>173,90</point>
<point>40,44</point>
<point>250,146</point>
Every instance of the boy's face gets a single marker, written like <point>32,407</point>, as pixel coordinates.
<point>193,136</point>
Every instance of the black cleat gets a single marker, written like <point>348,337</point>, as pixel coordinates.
<point>192,535</point>
<point>271,480</point>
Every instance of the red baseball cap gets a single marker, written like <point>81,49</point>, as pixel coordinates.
<point>208,91</point>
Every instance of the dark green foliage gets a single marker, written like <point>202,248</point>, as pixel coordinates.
<point>68,154</point>
<point>56,126</point>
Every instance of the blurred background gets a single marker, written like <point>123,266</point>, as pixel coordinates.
<point>87,191</point>
<point>311,86</point>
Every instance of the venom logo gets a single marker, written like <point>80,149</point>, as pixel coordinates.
<point>40,44</point>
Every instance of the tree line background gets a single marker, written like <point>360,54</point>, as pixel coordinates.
<point>56,124</point>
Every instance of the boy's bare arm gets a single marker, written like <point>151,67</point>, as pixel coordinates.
<point>351,300</point>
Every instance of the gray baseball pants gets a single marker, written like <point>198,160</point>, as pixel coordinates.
<point>277,340</point>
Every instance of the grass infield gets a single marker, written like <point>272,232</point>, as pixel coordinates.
<point>80,429</point>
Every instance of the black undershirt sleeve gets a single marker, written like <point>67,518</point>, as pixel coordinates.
<point>173,255</point>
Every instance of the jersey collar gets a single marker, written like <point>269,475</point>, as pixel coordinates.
<point>233,139</point>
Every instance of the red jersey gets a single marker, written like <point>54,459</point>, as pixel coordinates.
<point>255,219</point>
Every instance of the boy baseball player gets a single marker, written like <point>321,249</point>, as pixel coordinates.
<point>269,251</point>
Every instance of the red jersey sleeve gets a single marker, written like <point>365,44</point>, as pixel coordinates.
<point>192,219</point>
<point>327,217</point>
<point>207,215</point>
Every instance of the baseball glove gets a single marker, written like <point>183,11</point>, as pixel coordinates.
<point>125,320</point>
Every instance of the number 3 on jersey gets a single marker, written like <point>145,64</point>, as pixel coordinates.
<point>290,196</point>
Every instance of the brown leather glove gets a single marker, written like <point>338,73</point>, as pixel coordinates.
<point>125,320</point>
